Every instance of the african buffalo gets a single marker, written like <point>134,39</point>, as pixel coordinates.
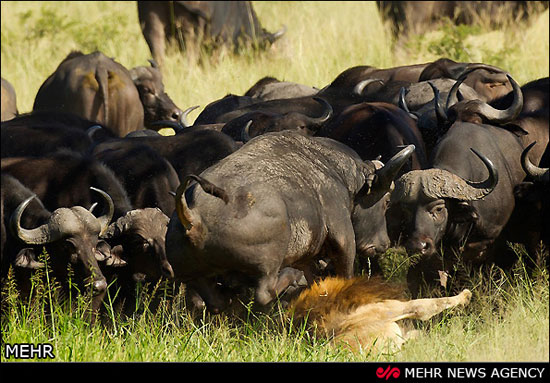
<point>94,87</point>
<point>449,205</point>
<point>488,81</point>
<point>40,133</point>
<point>146,176</point>
<point>375,129</point>
<point>194,23</point>
<point>9,101</point>
<point>188,152</point>
<point>419,16</point>
<point>157,105</point>
<point>63,179</point>
<point>137,239</point>
<point>273,205</point>
<point>269,88</point>
<point>252,124</point>
<point>70,236</point>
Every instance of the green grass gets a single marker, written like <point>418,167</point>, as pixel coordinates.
<point>507,320</point>
<point>508,317</point>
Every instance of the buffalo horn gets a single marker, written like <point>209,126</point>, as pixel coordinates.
<point>272,37</point>
<point>182,209</point>
<point>490,183</point>
<point>385,175</point>
<point>533,171</point>
<point>245,133</point>
<point>403,103</point>
<point>105,219</point>
<point>361,85</point>
<point>92,130</point>
<point>326,114</point>
<point>440,112</point>
<point>502,116</point>
<point>439,183</point>
<point>38,236</point>
<point>183,118</point>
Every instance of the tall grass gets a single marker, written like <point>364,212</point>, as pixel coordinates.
<point>507,320</point>
<point>508,317</point>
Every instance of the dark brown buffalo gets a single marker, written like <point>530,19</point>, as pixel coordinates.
<point>157,105</point>
<point>269,88</point>
<point>193,23</point>
<point>377,129</point>
<point>252,124</point>
<point>63,179</point>
<point>94,87</point>
<point>419,16</point>
<point>488,81</point>
<point>188,152</point>
<point>9,101</point>
<point>40,133</point>
<point>137,239</point>
<point>147,177</point>
<point>276,203</point>
<point>530,220</point>
<point>70,236</point>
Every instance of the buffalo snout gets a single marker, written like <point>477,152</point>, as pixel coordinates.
<point>421,245</point>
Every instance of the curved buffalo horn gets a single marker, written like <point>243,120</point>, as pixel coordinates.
<point>487,111</point>
<point>361,85</point>
<point>440,111</point>
<point>327,114</point>
<point>452,97</point>
<point>506,115</point>
<point>533,171</point>
<point>92,130</point>
<point>403,103</point>
<point>439,183</point>
<point>182,209</point>
<point>183,118</point>
<point>490,183</point>
<point>38,236</point>
<point>177,126</point>
<point>385,175</point>
<point>272,37</point>
<point>245,133</point>
<point>105,219</point>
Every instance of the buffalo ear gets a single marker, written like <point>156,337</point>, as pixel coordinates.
<point>462,212</point>
<point>523,190</point>
<point>26,258</point>
<point>516,129</point>
<point>103,251</point>
<point>116,260</point>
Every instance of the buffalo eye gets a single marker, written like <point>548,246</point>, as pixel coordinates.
<point>146,90</point>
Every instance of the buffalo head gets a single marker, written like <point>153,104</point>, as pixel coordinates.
<point>431,199</point>
<point>70,235</point>
<point>157,105</point>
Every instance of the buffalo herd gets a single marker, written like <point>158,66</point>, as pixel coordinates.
<point>270,190</point>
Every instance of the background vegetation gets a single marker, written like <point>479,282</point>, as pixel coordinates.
<point>508,318</point>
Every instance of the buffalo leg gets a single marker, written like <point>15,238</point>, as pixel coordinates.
<point>270,285</point>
